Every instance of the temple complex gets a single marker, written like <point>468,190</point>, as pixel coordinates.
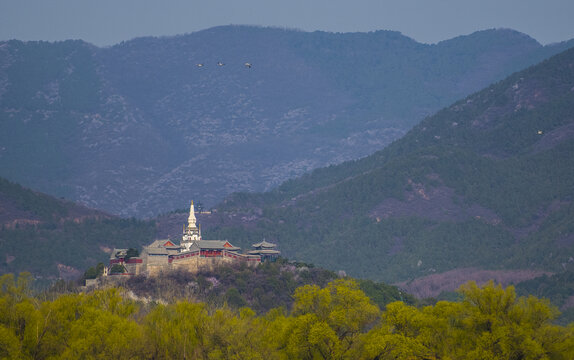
<point>192,254</point>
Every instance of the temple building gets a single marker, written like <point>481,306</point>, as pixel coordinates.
<point>192,254</point>
<point>265,250</point>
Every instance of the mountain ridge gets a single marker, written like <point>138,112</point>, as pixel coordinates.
<point>138,127</point>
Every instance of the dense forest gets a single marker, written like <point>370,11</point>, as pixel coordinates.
<point>337,321</point>
<point>558,288</point>
<point>485,183</point>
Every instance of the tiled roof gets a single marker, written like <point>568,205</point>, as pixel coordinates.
<point>118,253</point>
<point>264,244</point>
<point>264,252</point>
<point>155,250</point>
<point>161,244</point>
<point>217,244</point>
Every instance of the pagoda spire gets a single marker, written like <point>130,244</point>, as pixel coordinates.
<point>191,220</point>
<point>192,233</point>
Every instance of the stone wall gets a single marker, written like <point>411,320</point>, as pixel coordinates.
<point>197,263</point>
<point>154,265</point>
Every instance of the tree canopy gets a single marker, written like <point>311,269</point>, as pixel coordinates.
<point>337,321</point>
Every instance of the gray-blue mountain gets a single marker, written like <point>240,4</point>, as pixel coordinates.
<point>143,126</point>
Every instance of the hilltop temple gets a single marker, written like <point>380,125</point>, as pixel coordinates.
<point>192,254</point>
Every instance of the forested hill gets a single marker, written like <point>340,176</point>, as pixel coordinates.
<point>21,206</point>
<point>487,183</point>
<point>55,238</point>
<point>139,128</point>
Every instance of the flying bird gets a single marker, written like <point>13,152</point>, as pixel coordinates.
<point>220,63</point>
<point>247,65</point>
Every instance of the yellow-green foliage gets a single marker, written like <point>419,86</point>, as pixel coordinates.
<point>335,322</point>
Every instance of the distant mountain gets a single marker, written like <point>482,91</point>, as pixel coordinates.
<point>139,128</point>
<point>55,238</point>
<point>485,184</point>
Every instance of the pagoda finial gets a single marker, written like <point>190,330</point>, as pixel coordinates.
<point>191,219</point>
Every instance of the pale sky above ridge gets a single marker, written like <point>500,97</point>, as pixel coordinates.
<point>108,22</point>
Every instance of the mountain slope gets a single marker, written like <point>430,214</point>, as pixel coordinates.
<point>139,128</point>
<point>485,183</point>
<point>54,238</point>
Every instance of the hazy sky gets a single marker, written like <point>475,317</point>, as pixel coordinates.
<point>107,22</point>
